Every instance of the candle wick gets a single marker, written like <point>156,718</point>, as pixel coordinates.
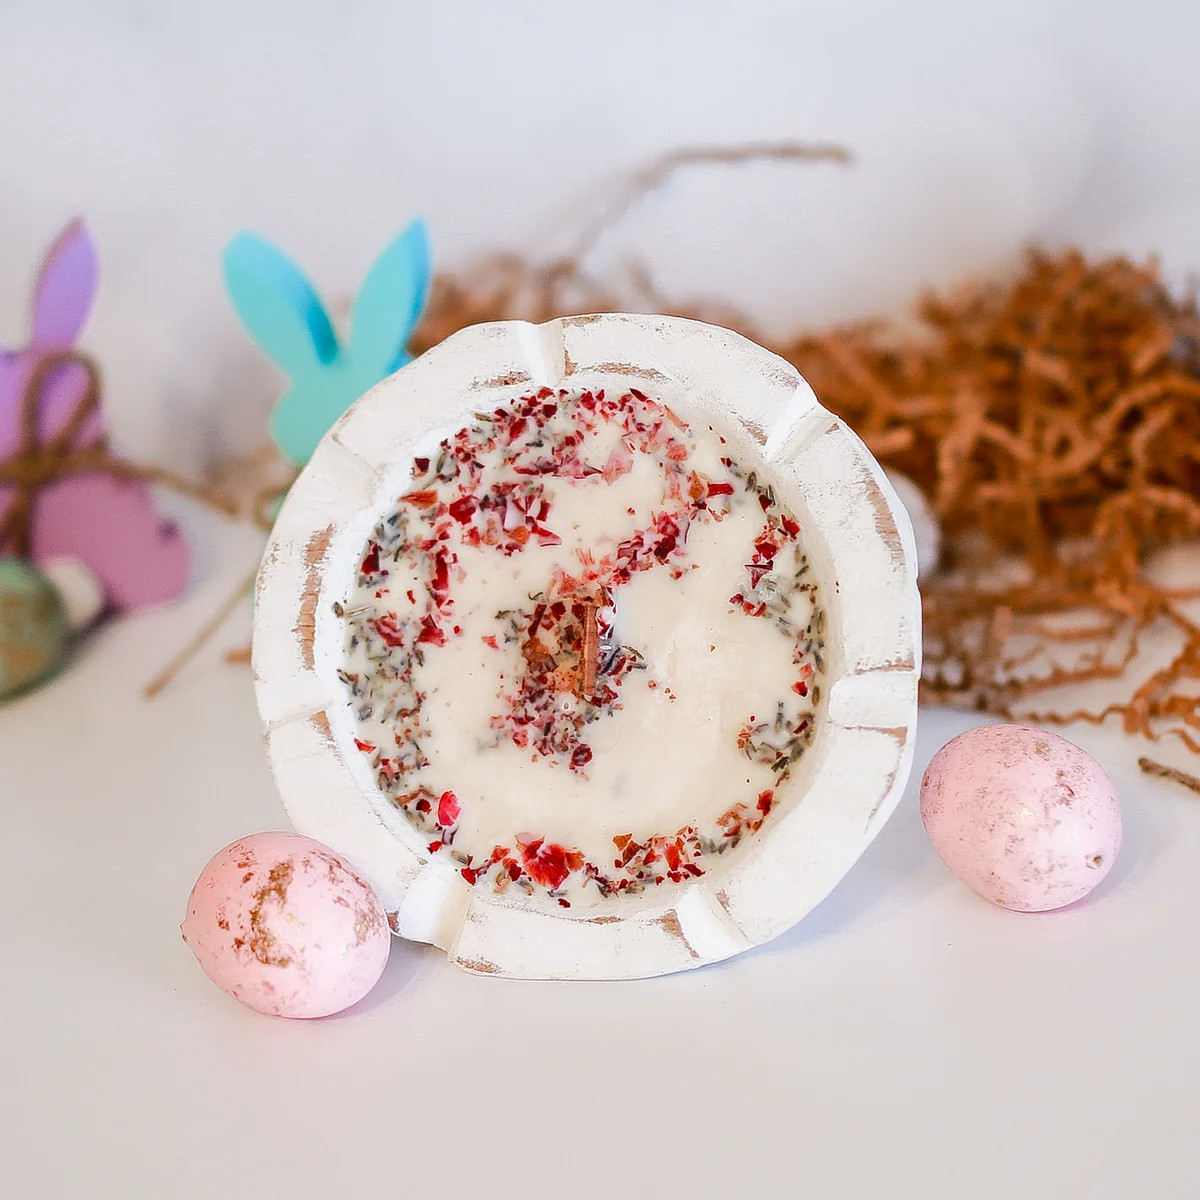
<point>591,649</point>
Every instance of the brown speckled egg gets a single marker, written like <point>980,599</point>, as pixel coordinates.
<point>1025,817</point>
<point>286,926</point>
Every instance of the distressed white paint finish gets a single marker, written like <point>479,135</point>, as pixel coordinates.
<point>860,544</point>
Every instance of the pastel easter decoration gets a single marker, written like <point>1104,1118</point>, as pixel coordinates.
<point>57,497</point>
<point>40,611</point>
<point>81,591</point>
<point>593,644</point>
<point>1024,817</point>
<point>286,926</point>
<point>33,627</point>
<point>283,313</point>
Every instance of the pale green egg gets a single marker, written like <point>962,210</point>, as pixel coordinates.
<point>33,627</point>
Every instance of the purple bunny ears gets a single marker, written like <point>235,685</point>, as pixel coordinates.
<point>50,413</point>
<point>65,289</point>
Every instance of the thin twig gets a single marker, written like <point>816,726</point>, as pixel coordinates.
<point>637,185</point>
<point>201,638</point>
<point>1154,768</point>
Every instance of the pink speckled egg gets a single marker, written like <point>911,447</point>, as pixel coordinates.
<point>284,925</point>
<point>1023,816</point>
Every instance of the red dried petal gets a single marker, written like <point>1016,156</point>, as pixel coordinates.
<point>424,499</point>
<point>464,508</point>
<point>389,628</point>
<point>440,584</point>
<point>548,863</point>
<point>448,810</point>
<point>430,633</point>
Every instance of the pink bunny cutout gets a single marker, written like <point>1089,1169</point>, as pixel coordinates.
<point>50,414</point>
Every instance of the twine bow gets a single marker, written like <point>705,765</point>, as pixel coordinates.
<point>35,465</point>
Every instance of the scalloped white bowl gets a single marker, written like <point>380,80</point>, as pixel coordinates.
<point>860,545</point>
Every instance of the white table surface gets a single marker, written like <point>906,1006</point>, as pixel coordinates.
<point>906,1039</point>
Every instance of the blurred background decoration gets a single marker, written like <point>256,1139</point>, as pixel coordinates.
<point>62,491</point>
<point>975,128</point>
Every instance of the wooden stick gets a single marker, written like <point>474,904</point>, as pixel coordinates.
<point>591,648</point>
<point>201,639</point>
<point>1154,768</point>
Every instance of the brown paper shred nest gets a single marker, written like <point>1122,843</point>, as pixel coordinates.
<point>1054,421</point>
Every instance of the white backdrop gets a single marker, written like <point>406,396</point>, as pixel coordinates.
<point>977,126</point>
<point>904,1040</point>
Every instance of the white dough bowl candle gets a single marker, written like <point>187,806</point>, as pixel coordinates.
<point>592,645</point>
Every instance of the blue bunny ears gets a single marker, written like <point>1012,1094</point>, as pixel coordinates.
<point>286,318</point>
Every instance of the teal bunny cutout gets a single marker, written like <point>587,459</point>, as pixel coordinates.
<point>285,317</point>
